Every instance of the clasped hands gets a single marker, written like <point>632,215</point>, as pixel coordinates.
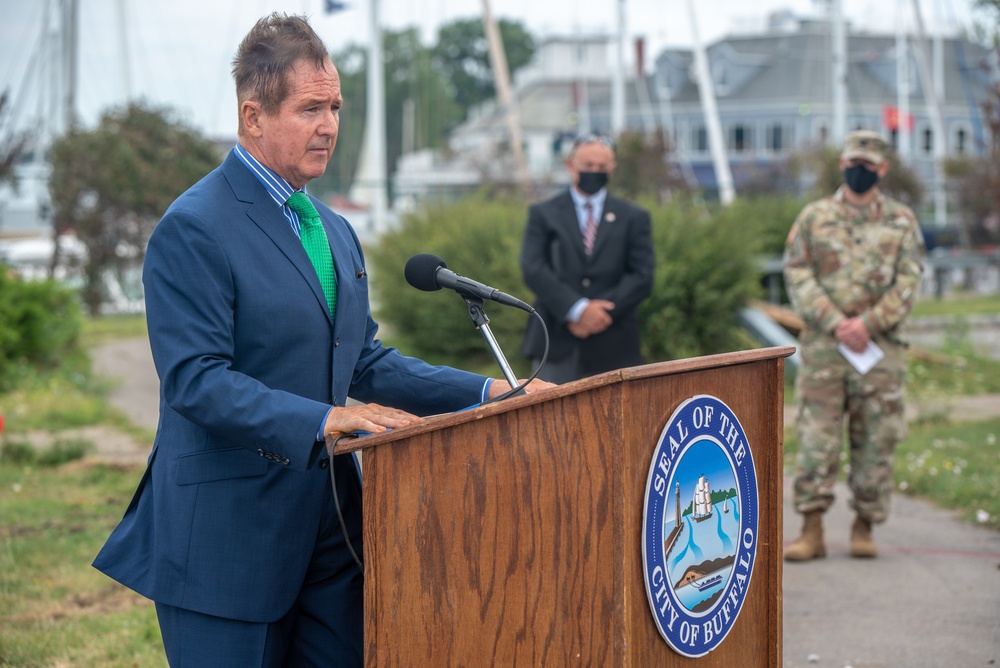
<point>596,318</point>
<point>853,333</point>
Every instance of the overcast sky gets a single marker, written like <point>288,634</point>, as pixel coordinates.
<point>180,50</point>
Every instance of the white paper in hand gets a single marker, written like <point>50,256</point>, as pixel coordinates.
<point>865,360</point>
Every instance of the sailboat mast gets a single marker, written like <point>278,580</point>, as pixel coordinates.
<point>839,60</point>
<point>71,19</point>
<point>618,81</point>
<point>706,90</point>
<point>373,162</point>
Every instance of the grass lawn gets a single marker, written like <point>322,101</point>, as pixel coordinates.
<point>55,609</point>
<point>958,304</point>
<point>58,507</point>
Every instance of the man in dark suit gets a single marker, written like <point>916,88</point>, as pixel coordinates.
<point>234,531</point>
<point>588,257</point>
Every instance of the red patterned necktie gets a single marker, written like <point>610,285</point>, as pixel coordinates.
<point>590,231</point>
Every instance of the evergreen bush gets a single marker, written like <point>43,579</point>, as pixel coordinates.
<point>706,270</point>
<point>40,325</point>
<point>476,237</point>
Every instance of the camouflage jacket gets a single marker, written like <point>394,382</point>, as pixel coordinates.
<point>843,261</point>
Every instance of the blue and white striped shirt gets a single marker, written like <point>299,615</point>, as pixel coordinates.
<point>277,187</point>
<point>280,190</point>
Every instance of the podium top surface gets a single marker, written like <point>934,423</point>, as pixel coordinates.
<point>625,375</point>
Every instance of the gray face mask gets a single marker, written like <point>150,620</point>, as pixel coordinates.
<point>591,182</point>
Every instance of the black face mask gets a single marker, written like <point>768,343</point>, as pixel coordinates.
<point>859,179</point>
<point>591,182</point>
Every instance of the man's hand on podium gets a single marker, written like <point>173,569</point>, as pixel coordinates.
<point>364,417</point>
<point>499,386</point>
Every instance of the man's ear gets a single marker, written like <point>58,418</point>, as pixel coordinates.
<point>250,115</point>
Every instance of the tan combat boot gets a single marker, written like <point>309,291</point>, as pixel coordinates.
<point>862,544</point>
<point>810,544</point>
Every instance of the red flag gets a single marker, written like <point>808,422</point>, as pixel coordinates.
<point>891,119</point>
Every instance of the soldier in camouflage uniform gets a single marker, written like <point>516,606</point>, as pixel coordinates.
<point>853,264</point>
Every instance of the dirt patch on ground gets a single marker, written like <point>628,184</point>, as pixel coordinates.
<point>112,598</point>
<point>106,444</point>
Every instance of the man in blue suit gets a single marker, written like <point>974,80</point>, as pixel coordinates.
<point>234,531</point>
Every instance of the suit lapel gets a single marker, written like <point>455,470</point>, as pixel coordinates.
<point>265,213</point>
<point>569,222</point>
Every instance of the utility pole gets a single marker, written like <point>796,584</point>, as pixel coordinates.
<point>706,90</point>
<point>501,78</point>
<point>125,56</point>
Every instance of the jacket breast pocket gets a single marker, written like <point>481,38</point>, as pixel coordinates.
<point>214,465</point>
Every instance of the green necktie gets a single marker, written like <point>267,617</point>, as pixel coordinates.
<point>317,245</point>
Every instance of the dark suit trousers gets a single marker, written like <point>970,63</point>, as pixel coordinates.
<point>325,626</point>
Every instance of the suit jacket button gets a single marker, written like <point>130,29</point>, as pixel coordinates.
<point>268,455</point>
<point>324,463</point>
<point>585,282</point>
<point>285,461</point>
<point>260,452</point>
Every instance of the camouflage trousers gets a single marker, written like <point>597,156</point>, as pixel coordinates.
<point>833,398</point>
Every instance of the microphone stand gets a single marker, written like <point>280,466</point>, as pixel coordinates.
<point>482,323</point>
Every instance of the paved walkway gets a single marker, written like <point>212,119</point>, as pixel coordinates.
<point>930,600</point>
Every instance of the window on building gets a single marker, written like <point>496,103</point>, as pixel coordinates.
<point>777,138</point>
<point>927,140</point>
<point>740,138</point>
<point>961,141</point>
<point>699,139</point>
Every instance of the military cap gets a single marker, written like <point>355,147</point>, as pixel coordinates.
<point>866,145</point>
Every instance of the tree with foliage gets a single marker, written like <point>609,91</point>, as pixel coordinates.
<point>462,55</point>
<point>419,110</point>
<point>112,184</point>
<point>974,182</point>
<point>644,168</point>
<point>12,148</point>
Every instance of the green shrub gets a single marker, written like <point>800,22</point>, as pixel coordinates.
<point>63,451</point>
<point>705,271</point>
<point>17,453</point>
<point>476,237</point>
<point>769,219</point>
<point>40,324</point>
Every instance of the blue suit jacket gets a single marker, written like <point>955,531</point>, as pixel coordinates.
<point>227,513</point>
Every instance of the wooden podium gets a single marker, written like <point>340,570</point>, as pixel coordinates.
<point>509,535</point>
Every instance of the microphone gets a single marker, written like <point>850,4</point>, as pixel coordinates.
<point>429,273</point>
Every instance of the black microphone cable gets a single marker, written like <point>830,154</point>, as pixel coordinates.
<point>336,501</point>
